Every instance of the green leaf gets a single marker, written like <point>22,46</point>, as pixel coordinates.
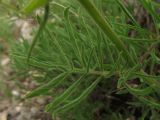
<point>57,101</point>
<point>140,74</point>
<point>34,4</point>
<point>150,101</point>
<point>51,84</point>
<point>149,7</point>
<point>41,27</point>
<point>79,99</point>
<point>105,26</point>
<point>142,92</point>
<point>127,12</point>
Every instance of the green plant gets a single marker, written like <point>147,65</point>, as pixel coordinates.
<point>76,55</point>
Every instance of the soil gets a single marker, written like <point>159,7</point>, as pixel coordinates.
<point>12,92</point>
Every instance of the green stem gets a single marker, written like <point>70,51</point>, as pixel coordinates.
<point>42,25</point>
<point>104,25</point>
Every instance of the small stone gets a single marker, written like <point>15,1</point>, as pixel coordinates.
<point>18,108</point>
<point>5,61</point>
<point>40,101</point>
<point>34,110</point>
<point>15,93</point>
